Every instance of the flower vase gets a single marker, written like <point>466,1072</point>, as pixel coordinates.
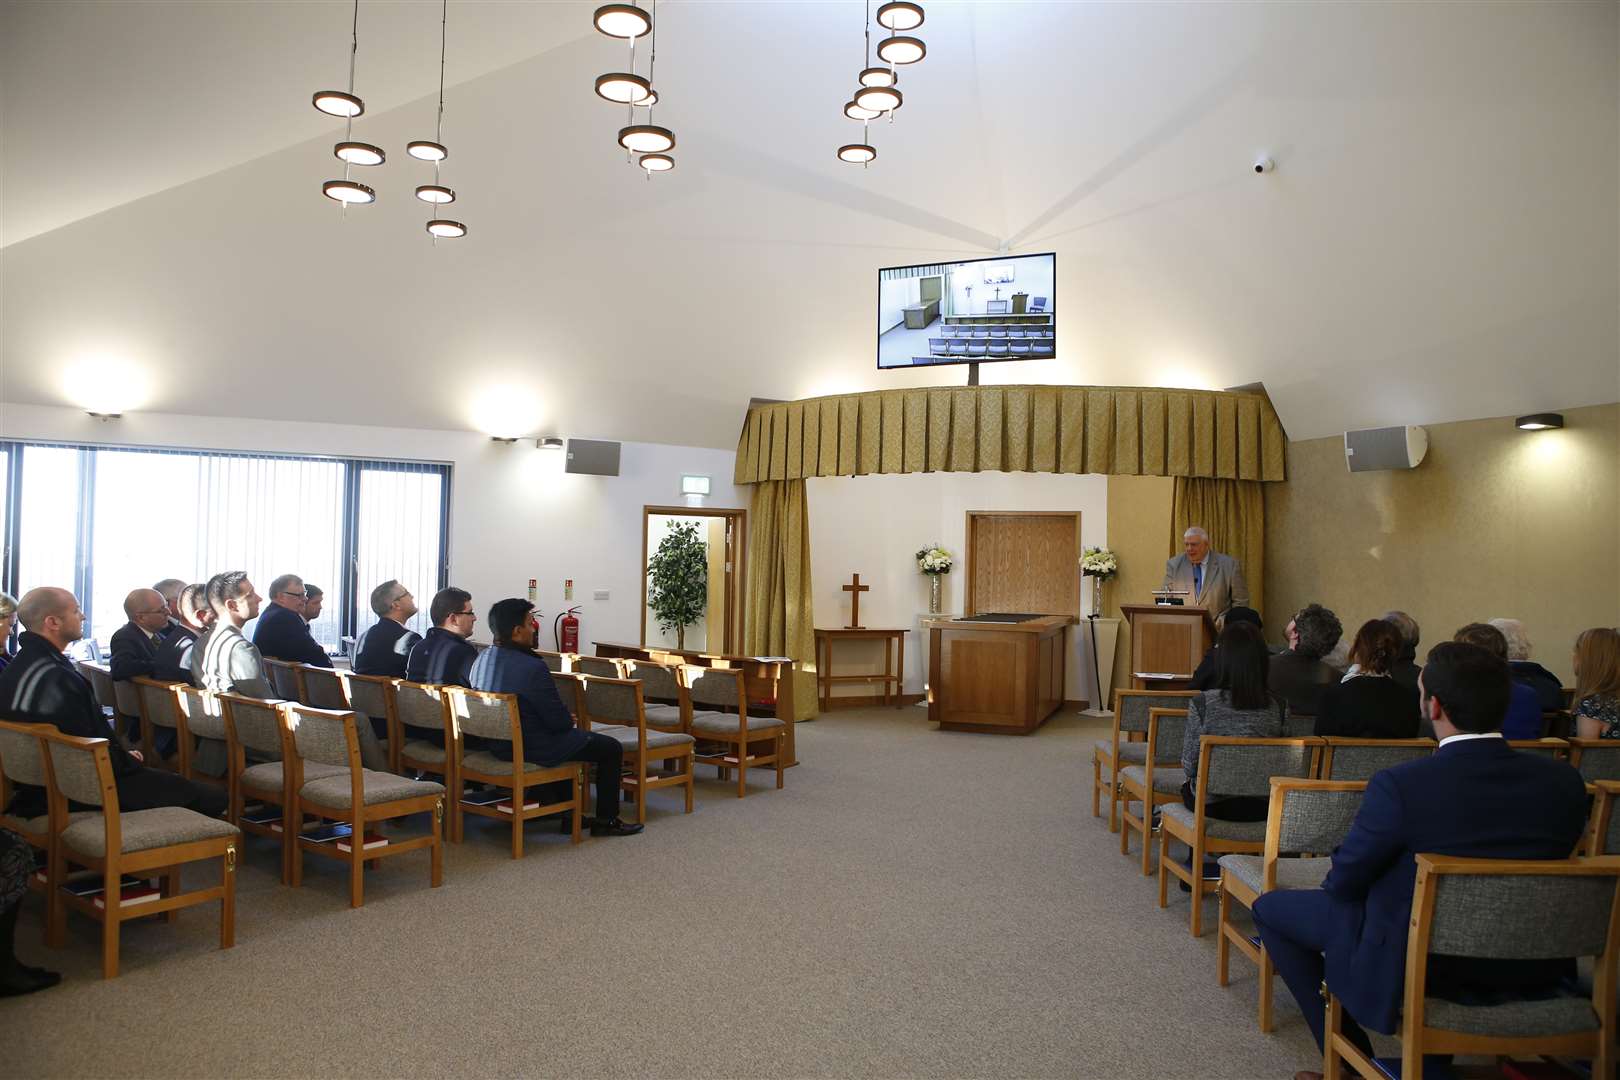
<point>1097,595</point>
<point>934,591</point>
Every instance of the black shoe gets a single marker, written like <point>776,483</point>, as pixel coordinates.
<point>18,981</point>
<point>615,827</point>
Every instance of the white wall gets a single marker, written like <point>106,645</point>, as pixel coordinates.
<point>514,513</point>
<point>874,526</point>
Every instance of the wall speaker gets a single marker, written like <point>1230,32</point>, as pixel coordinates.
<point>1385,448</point>
<point>593,457</point>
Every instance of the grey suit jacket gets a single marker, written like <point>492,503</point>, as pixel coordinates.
<point>1224,586</point>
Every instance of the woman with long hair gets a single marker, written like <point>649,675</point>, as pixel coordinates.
<point>1597,683</point>
<point>1239,704</point>
<point>1368,703</point>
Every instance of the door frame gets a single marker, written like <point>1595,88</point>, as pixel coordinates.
<point>967,544</point>
<point>736,578</point>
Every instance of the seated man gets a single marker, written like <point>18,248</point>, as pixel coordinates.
<point>382,650</point>
<point>443,656</point>
<point>41,686</point>
<point>135,643</point>
<point>1475,797</point>
<point>1523,720</point>
<point>170,589</point>
<point>313,595</point>
<point>172,663</point>
<point>1298,675</point>
<point>549,734</point>
<point>282,633</point>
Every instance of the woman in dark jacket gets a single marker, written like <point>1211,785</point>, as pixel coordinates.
<point>1368,703</point>
<point>1238,704</point>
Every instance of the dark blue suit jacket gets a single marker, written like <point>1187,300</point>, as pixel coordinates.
<point>549,734</point>
<point>282,634</point>
<point>1477,798</point>
<point>132,652</point>
<point>440,657</point>
<point>382,649</point>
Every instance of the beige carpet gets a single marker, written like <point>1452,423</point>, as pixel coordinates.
<point>914,903</point>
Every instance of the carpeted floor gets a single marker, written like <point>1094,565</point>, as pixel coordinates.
<point>914,903</point>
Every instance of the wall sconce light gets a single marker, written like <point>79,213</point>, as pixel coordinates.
<point>549,442</point>
<point>1541,421</point>
<point>694,485</point>
<point>104,417</point>
<point>503,440</point>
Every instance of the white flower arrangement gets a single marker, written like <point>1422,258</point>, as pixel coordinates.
<point>934,560</point>
<point>1099,563</point>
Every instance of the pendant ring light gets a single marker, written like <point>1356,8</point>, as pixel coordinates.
<point>900,16</point>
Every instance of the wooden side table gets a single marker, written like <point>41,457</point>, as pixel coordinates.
<point>894,664</point>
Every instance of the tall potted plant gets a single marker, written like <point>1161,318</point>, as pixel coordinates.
<point>678,580</point>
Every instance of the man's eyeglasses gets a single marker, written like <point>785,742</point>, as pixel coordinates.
<point>465,614</point>
<point>295,595</point>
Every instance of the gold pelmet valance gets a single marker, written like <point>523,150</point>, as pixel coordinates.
<point>1064,429</point>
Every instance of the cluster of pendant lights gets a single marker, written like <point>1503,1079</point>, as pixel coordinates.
<point>648,143</point>
<point>879,92</point>
<point>351,192</point>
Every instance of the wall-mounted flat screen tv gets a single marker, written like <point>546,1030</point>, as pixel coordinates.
<point>968,312</point>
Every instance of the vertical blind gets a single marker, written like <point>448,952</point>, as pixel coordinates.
<point>103,521</point>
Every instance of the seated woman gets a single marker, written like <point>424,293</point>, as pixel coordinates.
<point>1204,676</point>
<point>1549,691</point>
<point>1597,684</point>
<point>1369,704</point>
<point>1239,704</point>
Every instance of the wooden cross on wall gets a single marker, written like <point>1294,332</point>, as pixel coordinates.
<point>855,588</point>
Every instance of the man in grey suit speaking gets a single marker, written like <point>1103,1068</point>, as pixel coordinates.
<point>1210,579</point>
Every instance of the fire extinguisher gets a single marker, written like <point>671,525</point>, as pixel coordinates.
<point>565,630</point>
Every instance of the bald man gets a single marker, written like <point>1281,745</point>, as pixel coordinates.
<point>41,686</point>
<point>134,645</point>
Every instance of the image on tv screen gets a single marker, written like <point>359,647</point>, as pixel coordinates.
<point>968,312</point>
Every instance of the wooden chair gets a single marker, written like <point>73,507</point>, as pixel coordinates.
<point>158,709</point>
<point>127,704</point>
<point>1155,782</point>
<point>1553,748</point>
<point>140,842</point>
<point>614,707</point>
<point>1118,750</point>
<point>1502,908</point>
<point>324,688</point>
<point>494,718</point>
<point>1596,759</point>
<point>372,696</point>
<point>601,666</point>
<point>664,700</point>
<point>260,726</point>
<point>355,796</point>
<point>1231,766</point>
<point>25,760</point>
<point>1603,834</point>
<point>99,676</point>
<point>286,678</point>
<point>1358,759</point>
<point>421,709</point>
<point>734,732</point>
<point>1308,818</point>
<point>556,662</point>
<point>200,719</point>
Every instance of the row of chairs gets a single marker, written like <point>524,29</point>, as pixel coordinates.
<point>994,347</point>
<point>992,331</point>
<point>1315,786</point>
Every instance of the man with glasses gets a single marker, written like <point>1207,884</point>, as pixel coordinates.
<point>444,655</point>
<point>282,633</point>
<point>134,645</point>
<point>383,649</point>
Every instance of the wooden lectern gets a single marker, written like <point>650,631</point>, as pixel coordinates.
<point>1167,643</point>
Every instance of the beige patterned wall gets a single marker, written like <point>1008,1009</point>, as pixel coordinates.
<point>1138,531</point>
<point>1495,522</point>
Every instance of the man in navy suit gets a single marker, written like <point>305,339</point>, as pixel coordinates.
<point>282,633</point>
<point>1475,797</point>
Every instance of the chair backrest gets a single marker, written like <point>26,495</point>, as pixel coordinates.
<point>554,661</point>
<point>1231,765</point>
<point>1597,759</point>
<point>158,705</point>
<point>204,715</point>
<point>486,716</point>
<point>101,682</point>
<point>1553,748</point>
<point>1511,909</point>
<point>1167,729</point>
<point>126,697</point>
<point>1311,816</point>
<point>1358,759</point>
<point>420,706</point>
<point>284,678</point>
<point>1605,835</point>
<point>1131,706</point>
<point>614,701</point>
<point>324,735</point>
<point>324,689</point>
<point>80,768</point>
<point>658,681</point>
<point>22,757</point>
<point>256,723</point>
<point>1038,304</point>
<point>600,666</point>
<point>717,687</point>
<point>370,695</point>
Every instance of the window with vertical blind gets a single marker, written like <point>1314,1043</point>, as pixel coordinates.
<point>104,520</point>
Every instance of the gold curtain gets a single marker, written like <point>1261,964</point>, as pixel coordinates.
<point>781,613</point>
<point>1067,429</point>
<point>1233,512</point>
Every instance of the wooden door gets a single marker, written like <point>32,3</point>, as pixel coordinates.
<point>1023,561</point>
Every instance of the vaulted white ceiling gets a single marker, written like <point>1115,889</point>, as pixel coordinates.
<point>1440,239</point>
